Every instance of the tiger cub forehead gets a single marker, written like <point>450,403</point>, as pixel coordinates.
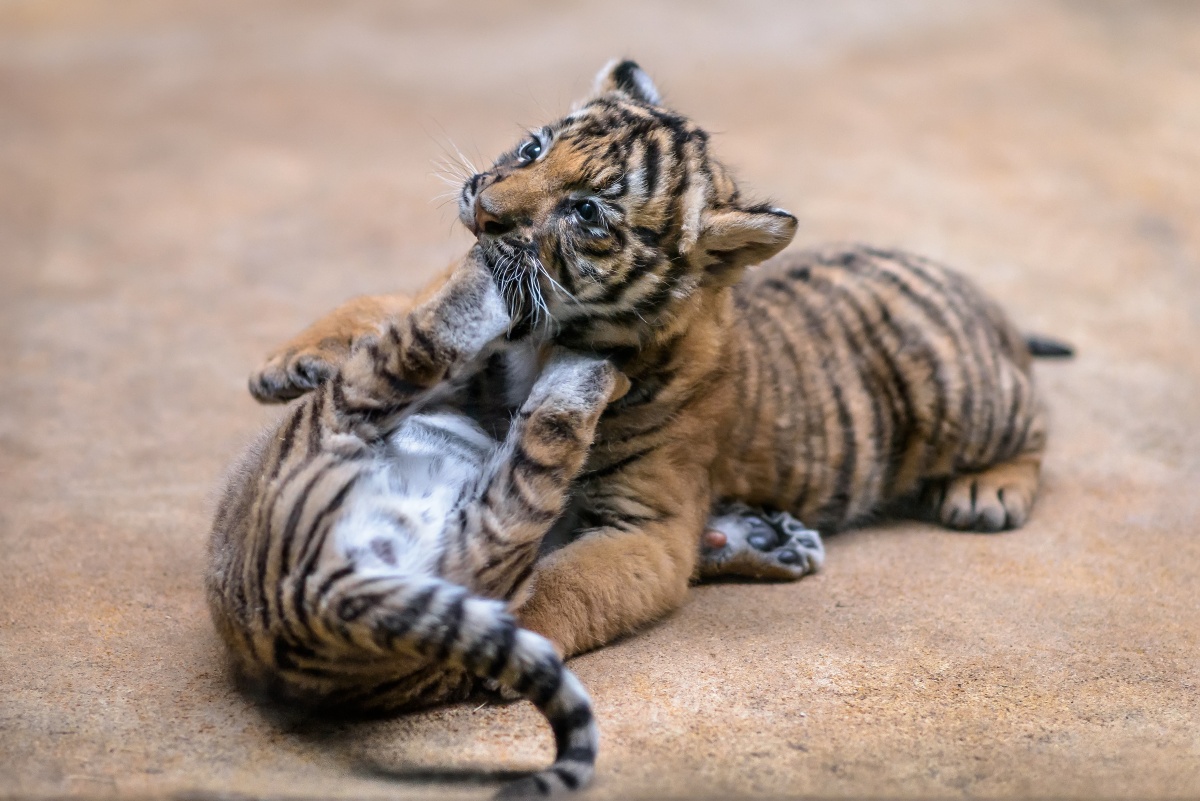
<point>616,147</point>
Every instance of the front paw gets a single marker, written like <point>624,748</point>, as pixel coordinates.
<point>293,372</point>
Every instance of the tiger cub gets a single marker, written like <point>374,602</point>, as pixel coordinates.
<point>831,385</point>
<point>364,551</point>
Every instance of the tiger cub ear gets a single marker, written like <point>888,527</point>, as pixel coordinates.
<point>733,238</point>
<point>629,79</point>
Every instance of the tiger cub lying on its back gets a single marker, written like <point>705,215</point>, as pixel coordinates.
<point>830,384</point>
<point>363,553</point>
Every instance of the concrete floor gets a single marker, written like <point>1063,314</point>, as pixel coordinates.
<point>183,185</point>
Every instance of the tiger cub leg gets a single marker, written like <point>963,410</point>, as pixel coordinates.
<point>754,543</point>
<point>995,498</point>
<point>525,487</point>
<point>436,340</point>
<point>313,355</point>
<point>316,353</point>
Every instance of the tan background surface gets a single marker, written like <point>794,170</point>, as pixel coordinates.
<point>182,185</point>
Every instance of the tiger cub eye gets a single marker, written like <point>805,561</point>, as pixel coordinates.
<point>530,151</point>
<point>588,211</point>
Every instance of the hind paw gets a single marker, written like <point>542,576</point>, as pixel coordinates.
<point>494,692</point>
<point>753,543</point>
<point>989,501</point>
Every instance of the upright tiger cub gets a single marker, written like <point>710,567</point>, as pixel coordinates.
<point>827,384</point>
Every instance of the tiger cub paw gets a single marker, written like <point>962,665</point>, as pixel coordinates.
<point>993,500</point>
<point>293,371</point>
<point>577,380</point>
<point>754,543</point>
<point>493,692</point>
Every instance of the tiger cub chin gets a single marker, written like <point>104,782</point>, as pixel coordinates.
<point>832,384</point>
<point>366,549</point>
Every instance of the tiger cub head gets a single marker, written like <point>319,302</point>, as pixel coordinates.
<point>607,227</point>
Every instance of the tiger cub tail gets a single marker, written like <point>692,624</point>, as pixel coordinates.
<point>1045,347</point>
<point>444,623</point>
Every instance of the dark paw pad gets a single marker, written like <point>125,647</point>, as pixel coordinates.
<point>788,557</point>
<point>763,540</point>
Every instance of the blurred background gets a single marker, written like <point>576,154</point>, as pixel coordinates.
<point>185,184</point>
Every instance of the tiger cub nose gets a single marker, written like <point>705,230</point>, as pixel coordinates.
<point>488,223</point>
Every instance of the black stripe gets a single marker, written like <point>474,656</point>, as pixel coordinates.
<point>484,526</point>
<point>928,354</point>
<point>327,584</point>
<point>864,343</point>
<point>315,426</point>
<point>309,554</point>
<point>281,655</point>
<point>784,458</point>
<point>549,681</point>
<point>655,301</point>
<point>264,550</point>
<point>896,383</point>
<point>653,421</point>
<point>397,624</point>
<point>516,492</point>
<point>961,336</point>
<point>495,577</point>
<point>651,166</point>
<point>845,474</point>
<point>404,390</point>
<point>566,776</point>
<point>452,619</point>
<point>504,647</point>
<point>566,273</point>
<point>808,408</point>
<point>1018,444</point>
<point>566,725</point>
<point>422,340</point>
<point>413,683</point>
<point>1015,406</point>
<point>578,753</point>
<point>288,437</point>
<point>751,355</point>
<point>517,580</point>
<point>352,607</point>
<point>617,466</point>
<point>521,460</point>
<point>834,507</point>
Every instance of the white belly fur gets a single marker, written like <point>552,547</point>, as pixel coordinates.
<point>394,519</point>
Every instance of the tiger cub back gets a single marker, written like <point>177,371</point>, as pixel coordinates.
<point>869,377</point>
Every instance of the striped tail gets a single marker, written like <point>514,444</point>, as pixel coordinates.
<point>1046,347</point>
<point>444,623</point>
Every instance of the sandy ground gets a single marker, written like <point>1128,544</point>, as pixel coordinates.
<point>183,185</point>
